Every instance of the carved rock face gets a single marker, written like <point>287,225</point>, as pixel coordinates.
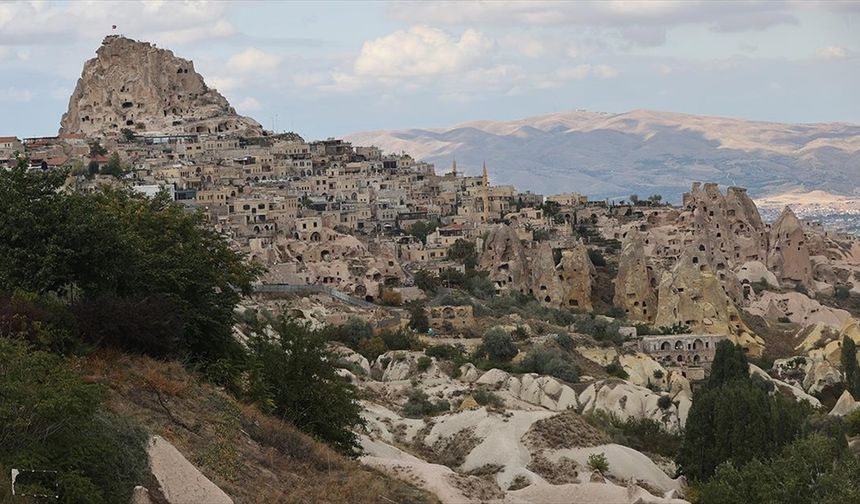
<point>789,252</point>
<point>135,85</point>
<point>505,259</point>
<point>635,284</point>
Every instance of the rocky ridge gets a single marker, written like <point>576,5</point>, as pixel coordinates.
<point>134,85</point>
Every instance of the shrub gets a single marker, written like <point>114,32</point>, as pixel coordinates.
<point>487,398</point>
<point>446,352</point>
<point>598,462</point>
<point>600,329</point>
<point>665,402</point>
<point>520,334</point>
<point>424,363</point>
<point>291,376</point>
<point>351,333</point>
<point>391,297</point>
<point>149,326</point>
<point>658,374</point>
<point>418,405</point>
<point>615,369</point>
<point>498,345</point>
<point>565,341</point>
<point>371,348</point>
<point>550,362</point>
<point>400,339</point>
<point>643,434</point>
<point>852,423</point>
<point>596,257</point>
<point>427,281</point>
<point>842,292</point>
<point>50,418</point>
<point>418,318</point>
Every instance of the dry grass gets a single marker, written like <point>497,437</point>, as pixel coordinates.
<point>253,457</point>
<point>565,470</point>
<point>565,430</point>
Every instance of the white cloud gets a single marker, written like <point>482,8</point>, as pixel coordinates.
<point>664,69</point>
<point>15,95</point>
<point>831,53</point>
<point>420,51</point>
<point>586,70</point>
<point>639,22</point>
<point>253,60</point>
<point>154,20</point>
<point>224,84</point>
<point>529,47</point>
<point>248,104</point>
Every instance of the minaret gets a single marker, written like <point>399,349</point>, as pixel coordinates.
<point>454,167</point>
<point>485,194</point>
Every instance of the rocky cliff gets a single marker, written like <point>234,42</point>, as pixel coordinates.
<point>134,85</point>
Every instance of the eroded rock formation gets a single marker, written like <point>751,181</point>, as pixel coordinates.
<point>692,294</point>
<point>635,284</point>
<point>789,253</point>
<point>134,85</point>
<point>505,259</point>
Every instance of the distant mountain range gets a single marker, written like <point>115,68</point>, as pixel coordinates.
<point>643,152</point>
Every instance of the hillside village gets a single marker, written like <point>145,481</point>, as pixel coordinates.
<point>637,295</point>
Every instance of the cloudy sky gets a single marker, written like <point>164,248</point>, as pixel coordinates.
<point>328,69</point>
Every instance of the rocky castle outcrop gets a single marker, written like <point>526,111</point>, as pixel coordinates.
<point>134,85</point>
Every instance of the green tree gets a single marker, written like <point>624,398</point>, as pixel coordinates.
<point>850,371</point>
<point>634,199</point>
<point>291,375</point>
<point>114,167</point>
<point>418,320</point>
<point>127,135</point>
<point>730,363</point>
<point>93,168</point>
<point>426,281</point>
<point>734,419</point>
<point>421,229</point>
<point>464,252</point>
<point>116,243</point>
<point>96,149</point>
<point>808,471</point>
<point>498,345</point>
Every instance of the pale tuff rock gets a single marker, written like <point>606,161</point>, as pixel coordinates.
<point>691,293</point>
<point>845,405</point>
<point>625,464</point>
<point>578,277</point>
<point>823,342</point>
<point>545,283</point>
<point>635,284</point>
<point>505,259</point>
<point>626,400</point>
<point>733,219</point>
<point>178,480</point>
<point>798,308</point>
<point>134,85</point>
<point>756,271</point>
<point>797,392</point>
<point>643,370</point>
<point>566,284</point>
<point>544,391</point>
<point>811,373</point>
<point>789,253</point>
<point>599,355</point>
